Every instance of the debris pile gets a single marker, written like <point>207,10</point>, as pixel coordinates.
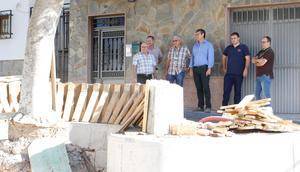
<point>247,116</point>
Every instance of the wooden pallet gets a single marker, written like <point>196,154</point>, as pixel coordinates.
<point>117,104</point>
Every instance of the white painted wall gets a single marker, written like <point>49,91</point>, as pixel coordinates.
<point>14,48</point>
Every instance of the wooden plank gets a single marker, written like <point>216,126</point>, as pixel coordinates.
<point>128,104</point>
<point>14,89</point>
<point>53,80</point>
<point>112,102</point>
<point>101,103</point>
<point>4,98</point>
<point>79,108</point>
<point>136,102</point>
<point>92,103</point>
<point>69,104</point>
<point>60,98</point>
<point>139,111</point>
<point>120,104</point>
<point>146,106</point>
<point>244,102</point>
<point>132,117</point>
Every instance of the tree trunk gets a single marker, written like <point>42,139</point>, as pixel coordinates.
<point>35,90</point>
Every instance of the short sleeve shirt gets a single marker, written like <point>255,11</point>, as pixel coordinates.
<point>178,59</point>
<point>266,69</point>
<point>236,58</point>
<point>144,63</point>
<point>156,52</point>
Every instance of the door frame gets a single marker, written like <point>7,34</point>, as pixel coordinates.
<point>90,40</point>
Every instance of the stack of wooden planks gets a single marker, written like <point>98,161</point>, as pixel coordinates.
<point>247,116</point>
<point>120,104</point>
<point>256,115</point>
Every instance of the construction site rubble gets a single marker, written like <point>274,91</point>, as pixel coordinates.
<point>247,116</point>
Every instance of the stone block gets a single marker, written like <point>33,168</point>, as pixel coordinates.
<point>165,106</point>
<point>48,155</point>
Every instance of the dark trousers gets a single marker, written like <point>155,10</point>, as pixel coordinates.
<point>229,81</point>
<point>142,78</point>
<point>202,86</point>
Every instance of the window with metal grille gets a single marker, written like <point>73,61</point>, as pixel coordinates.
<point>286,13</point>
<point>247,16</point>
<point>5,24</point>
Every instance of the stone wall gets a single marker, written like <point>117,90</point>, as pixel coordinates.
<point>162,18</point>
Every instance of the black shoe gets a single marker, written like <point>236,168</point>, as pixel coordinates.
<point>198,109</point>
<point>207,110</point>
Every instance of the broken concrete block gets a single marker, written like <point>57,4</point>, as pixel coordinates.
<point>4,127</point>
<point>48,155</point>
<point>165,106</point>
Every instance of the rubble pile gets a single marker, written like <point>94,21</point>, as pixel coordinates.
<point>247,116</point>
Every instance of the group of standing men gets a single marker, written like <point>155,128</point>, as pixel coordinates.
<point>199,63</point>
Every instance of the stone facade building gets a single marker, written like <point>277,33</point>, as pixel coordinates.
<point>100,29</point>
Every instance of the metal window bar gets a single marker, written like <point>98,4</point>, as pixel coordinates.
<point>6,24</point>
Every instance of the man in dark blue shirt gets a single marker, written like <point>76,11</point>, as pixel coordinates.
<point>235,61</point>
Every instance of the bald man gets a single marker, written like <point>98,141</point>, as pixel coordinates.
<point>144,65</point>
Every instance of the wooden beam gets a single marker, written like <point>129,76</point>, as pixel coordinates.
<point>14,89</point>
<point>137,113</point>
<point>101,103</point>
<point>146,106</point>
<point>69,104</point>
<point>136,102</point>
<point>53,80</point>
<point>112,102</point>
<point>120,104</point>
<point>60,97</point>
<point>128,104</point>
<point>4,98</point>
<point>92,103</point>
<point>79,108</point>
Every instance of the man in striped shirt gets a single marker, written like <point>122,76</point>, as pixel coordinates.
<point>144,65</point>
<point>176,62</point>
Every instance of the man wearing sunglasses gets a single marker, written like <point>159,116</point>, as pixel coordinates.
<point>264,62</point>
<point>176,63</point>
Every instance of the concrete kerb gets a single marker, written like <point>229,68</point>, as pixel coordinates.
<point>274,152</point>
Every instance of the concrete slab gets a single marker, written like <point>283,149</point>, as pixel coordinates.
<point>48,155</point>
<point>92,136</point>
<point>165,106</point>
<point>247,153</point>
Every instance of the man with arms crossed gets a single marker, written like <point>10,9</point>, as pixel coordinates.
<point>264,62</point>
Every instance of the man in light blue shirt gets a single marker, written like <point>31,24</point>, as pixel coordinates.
<point>201,64</point>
